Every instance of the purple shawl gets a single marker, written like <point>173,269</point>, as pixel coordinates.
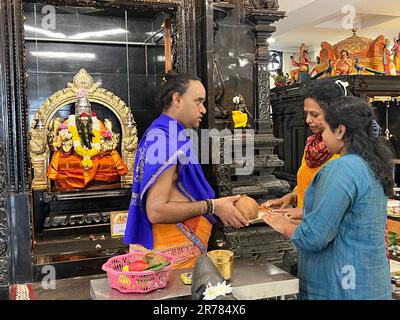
<point>163,145</point>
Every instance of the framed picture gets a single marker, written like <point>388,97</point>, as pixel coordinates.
<point>275,61</point>
<point>118,221</point>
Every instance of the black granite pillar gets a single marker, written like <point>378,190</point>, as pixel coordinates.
<point>15,233</point>
<point>261,20</point>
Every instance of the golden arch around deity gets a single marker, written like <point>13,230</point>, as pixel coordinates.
<point>357,55</point>
<point>84,148</point>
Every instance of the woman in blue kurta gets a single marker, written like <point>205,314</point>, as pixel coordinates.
<point>341,237</point>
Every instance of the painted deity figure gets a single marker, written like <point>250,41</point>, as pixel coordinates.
<point>343,65</point>
<point>240,114</point>
<point>387,59</point>
<point>396,54</point>
<point>300,66</point>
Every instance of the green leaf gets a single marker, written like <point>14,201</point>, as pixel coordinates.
<point>157,266</point>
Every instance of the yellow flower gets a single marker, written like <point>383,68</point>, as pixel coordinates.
<point>87,163</point>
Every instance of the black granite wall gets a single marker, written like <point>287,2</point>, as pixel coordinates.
<point>234,52</point>
<point>131,71</point>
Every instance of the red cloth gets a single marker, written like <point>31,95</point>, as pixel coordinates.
<point>316,152</point>
<point>21,292</point>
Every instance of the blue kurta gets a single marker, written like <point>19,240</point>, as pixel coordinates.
<point>341,239</point>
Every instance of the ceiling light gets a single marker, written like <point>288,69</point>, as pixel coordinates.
<point>45,32</point>
<point>64,55</point>
<point>85,35</point>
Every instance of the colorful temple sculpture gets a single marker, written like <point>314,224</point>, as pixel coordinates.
<point>396,54</point>
<point>343,55</point>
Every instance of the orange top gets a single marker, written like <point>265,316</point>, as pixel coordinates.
<point>305,175</point>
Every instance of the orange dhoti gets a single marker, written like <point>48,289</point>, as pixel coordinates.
<point>169,239</point>
<point>68,173</point>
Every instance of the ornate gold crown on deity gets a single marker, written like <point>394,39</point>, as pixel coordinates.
<point>82,103</point>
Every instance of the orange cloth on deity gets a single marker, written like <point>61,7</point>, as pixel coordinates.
<point>169,239</point>
<point>305,175</point>
<point>68,173</point>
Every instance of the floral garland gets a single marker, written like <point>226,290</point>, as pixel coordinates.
<point>82,151</point>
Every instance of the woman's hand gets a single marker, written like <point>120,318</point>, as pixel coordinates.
<point>291,213</point>
<point>282,202</point>
<point>277,221</point>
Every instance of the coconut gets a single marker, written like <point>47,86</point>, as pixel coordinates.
<point>248,207</point>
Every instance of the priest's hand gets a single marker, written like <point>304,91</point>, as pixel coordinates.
<point>229,215</point>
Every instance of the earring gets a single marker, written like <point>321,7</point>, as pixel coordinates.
<point>339,137</point>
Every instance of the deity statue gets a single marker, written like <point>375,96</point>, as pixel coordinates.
<point>387,59</point>
<point>343,54</point>
<point>84,149</point>
<point>300,66</point>
<point>343,65</point>
<point>240,113</point>
<point>396,54</point>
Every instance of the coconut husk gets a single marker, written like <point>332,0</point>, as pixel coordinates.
<point>248,207</point>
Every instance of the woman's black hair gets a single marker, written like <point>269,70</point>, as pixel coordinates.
<point>325,91</point>
<point>174,82</point>
<point>357,116</point>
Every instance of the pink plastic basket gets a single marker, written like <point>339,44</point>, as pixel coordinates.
<point>134,281</point>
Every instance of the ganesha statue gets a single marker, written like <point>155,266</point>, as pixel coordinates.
<point>84,149</point>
